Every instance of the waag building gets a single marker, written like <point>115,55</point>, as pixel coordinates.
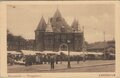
<point>56,34</point>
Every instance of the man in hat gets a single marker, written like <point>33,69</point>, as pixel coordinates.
<point>52,60</point>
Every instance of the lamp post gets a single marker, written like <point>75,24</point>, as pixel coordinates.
<point>104,45</point>
<point>69,66</point>
<point>83,46</point>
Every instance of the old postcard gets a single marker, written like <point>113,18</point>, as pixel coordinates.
<point>59,39</point>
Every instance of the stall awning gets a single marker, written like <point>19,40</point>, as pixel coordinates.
<point>28,52</point>
<point>13,52</point>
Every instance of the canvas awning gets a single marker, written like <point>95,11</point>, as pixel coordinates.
<point>71,53</point>
<point>95,53</point>
<point>28,52</point>
<point>81,53</point>
<point>50,52</point>
<point>13,52</point>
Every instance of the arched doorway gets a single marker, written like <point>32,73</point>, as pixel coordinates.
<point>63,47</point>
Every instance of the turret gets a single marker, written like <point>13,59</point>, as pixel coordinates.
<point>49,27</point>
<point>42,25</point>
<point>57,14</point>
<point>75,26</point>
<point>39,34</point>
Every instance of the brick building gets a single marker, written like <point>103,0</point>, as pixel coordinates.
<point>18,43</point>
<point>57,35</point>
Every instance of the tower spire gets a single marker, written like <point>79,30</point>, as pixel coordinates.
<point>79,28</point>
<point>57,13</point>
<point>41,25</point>
<point>49,27</point>
<point>75,25</point>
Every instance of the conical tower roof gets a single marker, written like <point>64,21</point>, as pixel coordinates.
<point>79,28</point>
<point>57,22</point>
<point>49,27</point>
<point>57,14</point>
<point>42,24</point>
<point>75,25</point>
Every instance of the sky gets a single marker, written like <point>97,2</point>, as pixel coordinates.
<point>96,19</point>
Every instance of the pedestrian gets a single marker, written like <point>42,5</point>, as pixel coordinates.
<point>26,60</point>
<point>56,59</point>
<point>52,60</point>
<point>48,59</point>
<point>78,59</point>
<point>41,61</point>
<point>84,58</point>
<point>61,59</point>
<point>37,59</point>
<point>30,60</point>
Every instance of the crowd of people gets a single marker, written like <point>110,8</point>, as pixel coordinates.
<point>11,58</point>
<point>51,59</point>
<point>38,59</point>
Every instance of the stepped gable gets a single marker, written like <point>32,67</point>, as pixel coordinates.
<point>42,25</point>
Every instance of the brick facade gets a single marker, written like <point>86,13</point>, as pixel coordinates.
<point>57,32</point>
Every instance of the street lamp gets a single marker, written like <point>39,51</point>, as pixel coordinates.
<point>104,45</point>
<point>69,66</point>
<point>83,46</point>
